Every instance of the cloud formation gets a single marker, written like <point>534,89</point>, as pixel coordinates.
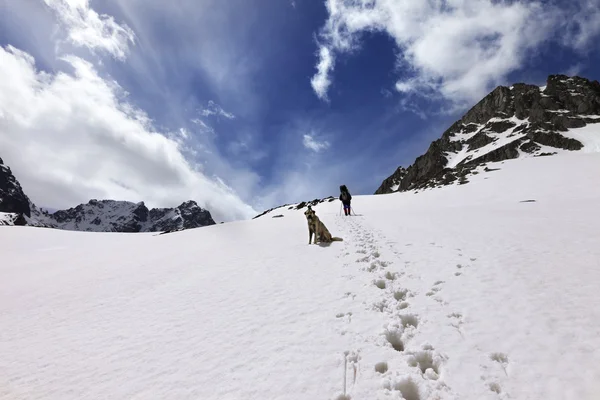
<point>72,136</point>
<point>311,143</point>
<point>455,49</point>
<point>214,109</point>
<point>86,28</point>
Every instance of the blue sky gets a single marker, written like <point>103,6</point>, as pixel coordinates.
<point>245,105</point>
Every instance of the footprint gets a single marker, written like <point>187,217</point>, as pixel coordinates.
<point>495,387</point>
<point>409,320</point>
<point>381,367</point>
<point>400,295</point>
<point>427,360</point>
<point>438,283</point>
<point>408,388</point>
<point>457,273</point>
<point>394,338</point>
<point>391,276</point>
<point>380,283</point>
<point>501,359</point>
<point>433,291</point>
<point>457,321</point>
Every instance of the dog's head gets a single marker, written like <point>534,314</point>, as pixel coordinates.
<point>310,214</point>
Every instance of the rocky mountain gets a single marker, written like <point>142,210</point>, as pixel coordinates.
<point>96,215</point>
<point>518,121</point>
<point>125,216</point>
<point>12,198</point>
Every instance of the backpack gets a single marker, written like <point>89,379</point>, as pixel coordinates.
<point>345,195</point>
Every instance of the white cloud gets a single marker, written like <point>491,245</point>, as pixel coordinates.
<point>72,137</point>
<point>458,49</point>
<point>322,80</point>
<point>214,109</point>
<point>583,25</point>
<point>311,143</point>
<point>86,28</point>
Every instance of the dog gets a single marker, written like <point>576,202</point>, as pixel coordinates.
<point>317,228</point>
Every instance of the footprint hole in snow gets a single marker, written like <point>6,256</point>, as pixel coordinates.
<point>394,338</point>
<point>499,357</point>
<point>400,295</point>
<point>403,305</point>
<point>408,388</point>
<point>390,276</point>
<point>380,283</point>
<point>409,320</point>
<point>457,274</point>
<point>339,315</point>
<point>438,283</point>
<point>423,360</point>
<point>343,397</point>
<point>494,387</point>
<point>376,254</point>
<point>381,367</point>
<point>459,266</point>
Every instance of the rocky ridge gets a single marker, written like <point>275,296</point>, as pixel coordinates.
<point>510,122</point>
<point>96,215</point>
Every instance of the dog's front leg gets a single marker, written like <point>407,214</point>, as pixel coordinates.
<point>309,235</point>
<point>317,233</point>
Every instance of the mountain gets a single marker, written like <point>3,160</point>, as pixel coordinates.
<point>96,215</point>
<point>125,216</point>
<point>518,121</point>
<point>12,197</point>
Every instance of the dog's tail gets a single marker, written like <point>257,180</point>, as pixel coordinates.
<point>336,239</point>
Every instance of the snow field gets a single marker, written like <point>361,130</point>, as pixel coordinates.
<point>481,291</point>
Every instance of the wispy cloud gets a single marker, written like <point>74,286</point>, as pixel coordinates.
<point>213,109</point>
<point>86,28</point>
<point>83,131</point>
<point>313,144</point>
<point>321,81</point>
<point>456,49</point>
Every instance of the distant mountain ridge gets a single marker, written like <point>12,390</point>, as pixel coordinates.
<point>510,122</point>
<point>96,215</point>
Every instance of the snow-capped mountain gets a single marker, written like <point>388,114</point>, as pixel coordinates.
<point>96,215</point>
<point>125,216</point>
<point>518,121</point>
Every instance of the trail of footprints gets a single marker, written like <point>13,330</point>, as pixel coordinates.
<point>426,361</point>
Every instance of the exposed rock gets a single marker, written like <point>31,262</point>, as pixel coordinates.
<point>12,198</point>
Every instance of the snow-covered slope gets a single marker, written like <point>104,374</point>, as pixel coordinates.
<point>478,292</point>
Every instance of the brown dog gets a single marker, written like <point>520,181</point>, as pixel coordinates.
<point>318,228</point>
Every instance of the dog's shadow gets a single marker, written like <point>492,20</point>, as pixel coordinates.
<point>324,244</point>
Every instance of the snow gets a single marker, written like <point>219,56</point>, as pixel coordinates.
<point>463,292</point>
<point>7,218</point>
<point>589,136</point>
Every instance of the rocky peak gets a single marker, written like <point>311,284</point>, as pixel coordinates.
<point>12,198</point>
<point>96,215</point>
<point>507,123</point>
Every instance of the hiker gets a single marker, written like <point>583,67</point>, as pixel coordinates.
<point>345,198</point>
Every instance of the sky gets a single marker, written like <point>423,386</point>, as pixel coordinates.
<point>246,105</point>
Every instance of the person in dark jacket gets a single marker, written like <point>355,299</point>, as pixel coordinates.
<point>345,198</point>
